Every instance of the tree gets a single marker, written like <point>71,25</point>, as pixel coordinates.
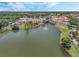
<point>66,43</point>
<point>0,25</point>
<point>15,27</point>
<point>74,22</point>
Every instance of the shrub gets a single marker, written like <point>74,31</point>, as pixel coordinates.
<point>15,27</point>
<point>66,43</point>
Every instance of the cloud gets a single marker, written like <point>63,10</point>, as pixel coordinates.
<point>38,6</point>
<point>51,4</point>
<point>17,5</point>
<point>27,6</point>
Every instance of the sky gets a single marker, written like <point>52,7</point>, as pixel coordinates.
<point>39,6</point>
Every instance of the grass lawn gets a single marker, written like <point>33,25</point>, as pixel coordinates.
<point>74,51</point>
<point>22,26</point>
<point>29,26</point>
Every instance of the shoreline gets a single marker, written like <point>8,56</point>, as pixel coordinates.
<point>60,41</point>
<point>73,52</point>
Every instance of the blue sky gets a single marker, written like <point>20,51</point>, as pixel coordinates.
<point>39,6</point>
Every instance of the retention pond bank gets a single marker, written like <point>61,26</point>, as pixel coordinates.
<point>73,51</point>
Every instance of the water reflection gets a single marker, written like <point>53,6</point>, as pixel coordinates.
<point>27,31</point>
<point>15,31</point>
<point>45,28</point>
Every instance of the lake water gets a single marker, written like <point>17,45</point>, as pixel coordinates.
<point>39,42</point>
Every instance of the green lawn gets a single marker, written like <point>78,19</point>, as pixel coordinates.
<point>29,26</point>
<point>74,51</point>
<point>22,26</point>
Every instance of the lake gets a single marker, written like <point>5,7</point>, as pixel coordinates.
<point>39,42</point>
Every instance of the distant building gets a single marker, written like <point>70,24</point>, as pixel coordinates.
<point>60,19</point>
<point>22,20</point>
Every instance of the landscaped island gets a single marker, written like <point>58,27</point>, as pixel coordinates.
<point>66,22</point>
